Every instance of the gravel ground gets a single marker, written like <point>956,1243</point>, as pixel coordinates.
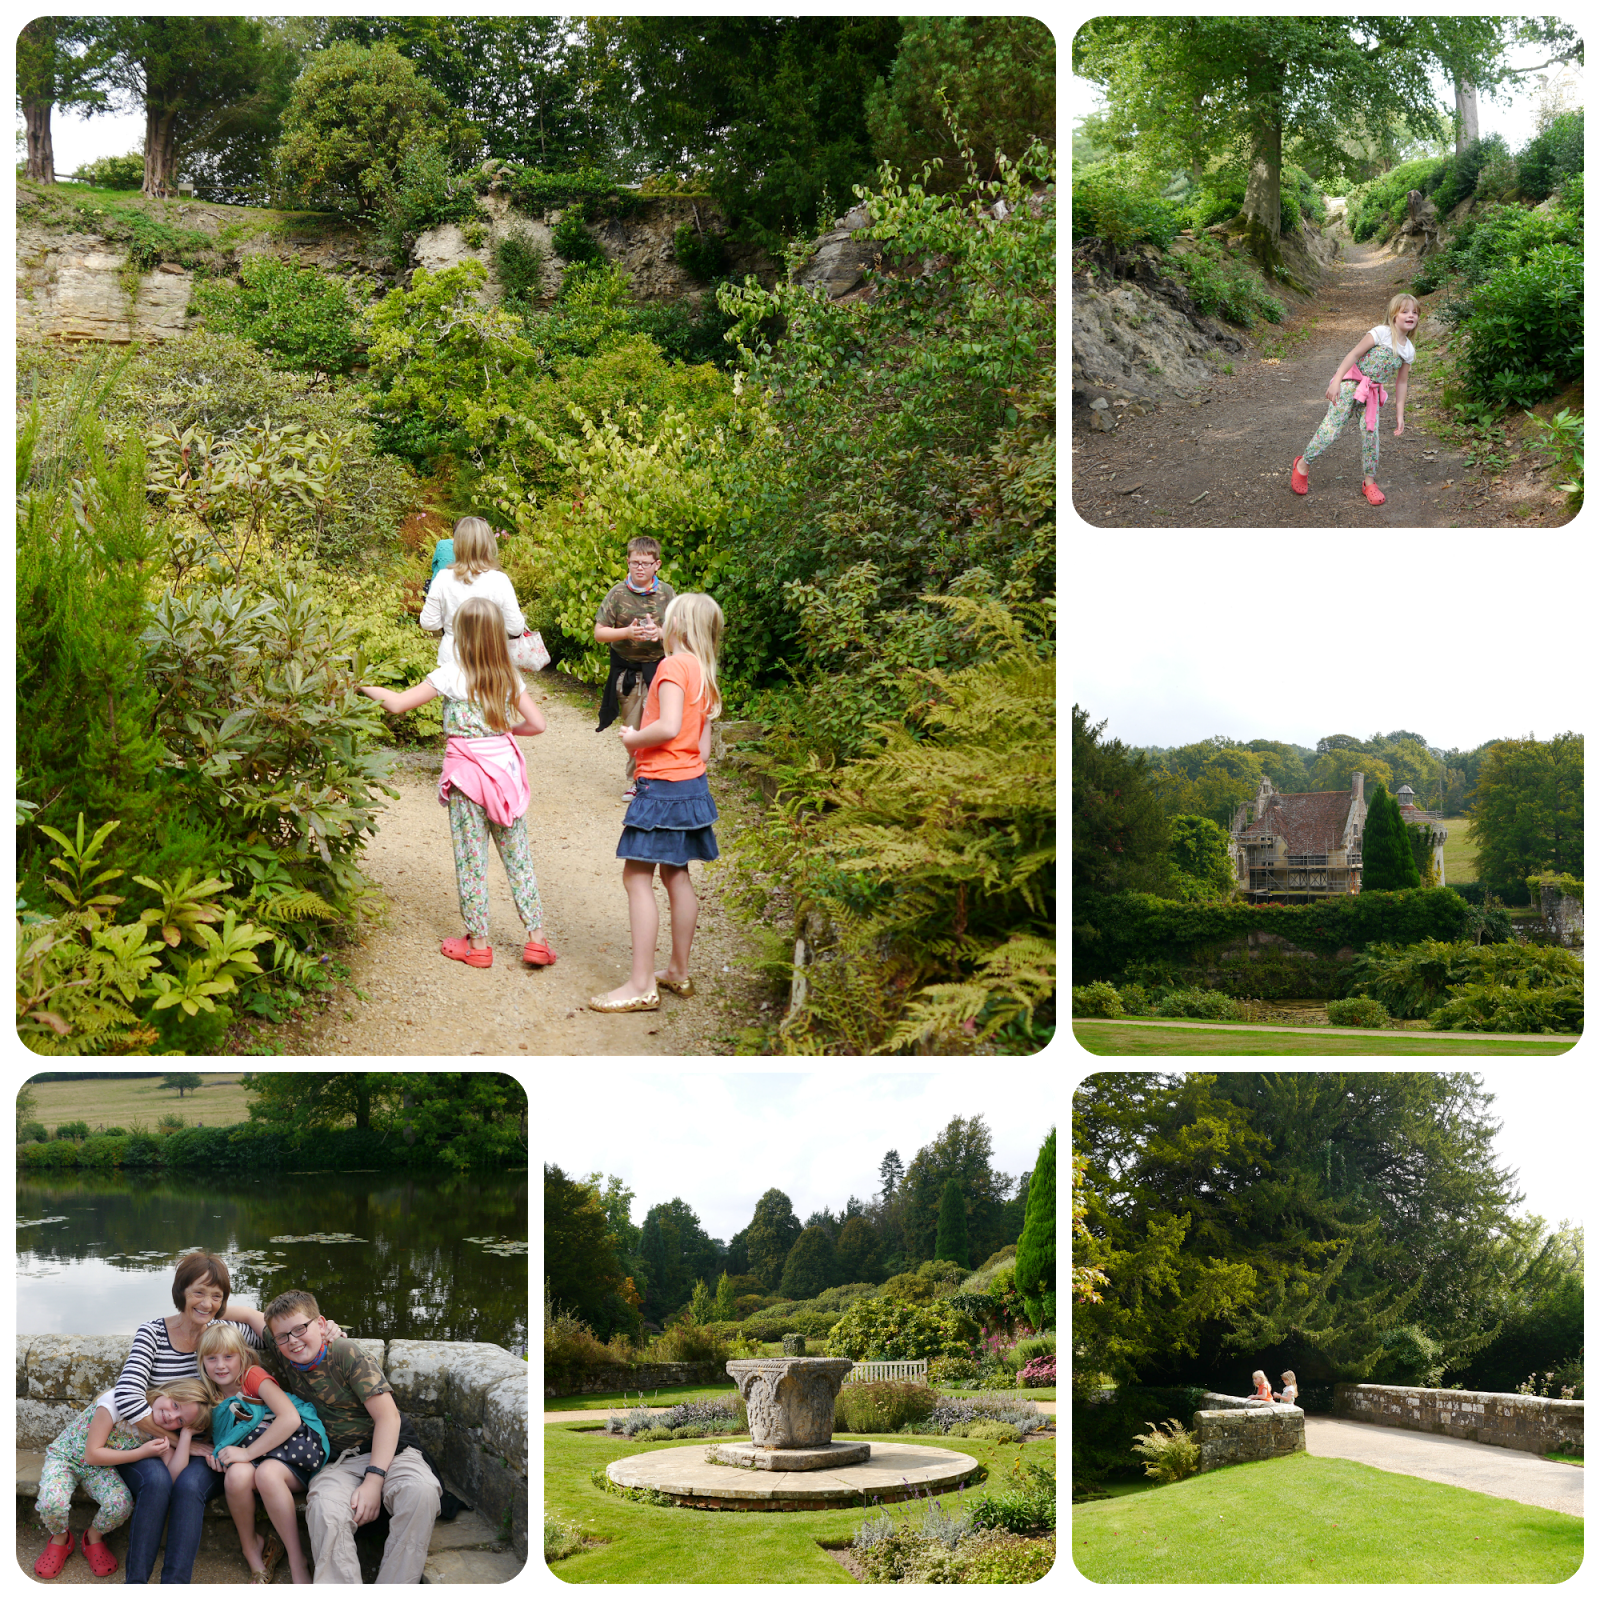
<point>404,998</point>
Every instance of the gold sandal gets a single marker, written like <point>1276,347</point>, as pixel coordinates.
<point>685,989</point>
<point>640,1002</point>
<point>272,1552</point>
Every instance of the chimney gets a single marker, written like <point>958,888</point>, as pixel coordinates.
<point>1262,792</point>
<point>1358,788</point>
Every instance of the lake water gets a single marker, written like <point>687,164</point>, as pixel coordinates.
<point>425,1257</point>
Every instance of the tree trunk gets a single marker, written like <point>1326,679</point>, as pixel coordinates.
<point>160,152</point>
<point>41,153</point>
<point>1263,195</point>
<point>363,1103</point>
<point>1466,114</point>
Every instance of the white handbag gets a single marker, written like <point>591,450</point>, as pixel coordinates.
<point>529,652</point>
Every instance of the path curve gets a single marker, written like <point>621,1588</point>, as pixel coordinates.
<point>404,998</point>
<point>1235,443</point>
<point>1487,1468</point>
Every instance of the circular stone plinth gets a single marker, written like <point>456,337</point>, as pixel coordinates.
<point>890,1472</point>
<point>793,1458</point>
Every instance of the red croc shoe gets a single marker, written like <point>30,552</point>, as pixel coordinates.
<point>54,1558</point>
<point>538,954</point>
<point>101,1561</point>
<point>1375,495</point>
<point>461,950</point>
<point>1298,481</point>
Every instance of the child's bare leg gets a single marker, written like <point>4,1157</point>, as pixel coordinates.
<point>644,923</point>
<point>685,913</point>
<point>276,1484</point>
<point>239,1485</point>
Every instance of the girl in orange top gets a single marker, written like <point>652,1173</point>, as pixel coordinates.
<point>668,822</point>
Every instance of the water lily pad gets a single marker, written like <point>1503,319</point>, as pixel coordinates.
<point>495,1245</point>
<point>315,1238</point>
<point>38,1222</point>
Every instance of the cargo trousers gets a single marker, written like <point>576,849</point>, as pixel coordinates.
<point>410,1496</point>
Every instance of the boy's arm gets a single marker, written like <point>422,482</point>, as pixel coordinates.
<point>385,1416</point>
<point>240,1311</point>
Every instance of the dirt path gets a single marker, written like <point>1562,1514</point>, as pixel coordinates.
<point>404,998</point>
<point>1234,446</point>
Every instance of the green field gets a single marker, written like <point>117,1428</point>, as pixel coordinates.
<point>1101,1038</point>
<point>121,1102</point>
<point>1460,857</point>
<point>1309,1519</point>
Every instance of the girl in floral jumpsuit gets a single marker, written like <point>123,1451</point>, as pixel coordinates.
<point>1384,355</point>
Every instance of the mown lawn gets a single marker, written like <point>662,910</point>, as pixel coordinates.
<point>1102,1038</point>
<point>1309,1519</point>
<point>120,1102</point>
<point>1460,855</point>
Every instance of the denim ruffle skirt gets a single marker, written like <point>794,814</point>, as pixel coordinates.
<point>669,822</point>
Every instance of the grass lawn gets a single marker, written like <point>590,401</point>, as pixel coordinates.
<point>691,1391</point>
<point>1101,1038</point>
<point>1310,1519</point>
<point>675,1544</point>
<point>120,1102</point>
<point>1460,856</point>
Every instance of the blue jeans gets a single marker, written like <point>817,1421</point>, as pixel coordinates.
<point>160,1501</point>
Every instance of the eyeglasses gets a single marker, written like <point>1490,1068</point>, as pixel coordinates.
<point>648,561</point>
<point>281,1339</point>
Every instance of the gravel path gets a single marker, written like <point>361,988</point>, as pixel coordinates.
<point>403,998</point>
<point>1235,444</point>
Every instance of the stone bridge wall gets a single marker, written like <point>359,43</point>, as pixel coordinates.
<point>1517,1421</point>
<point>1229,1430</point>
<point>468,1402</point>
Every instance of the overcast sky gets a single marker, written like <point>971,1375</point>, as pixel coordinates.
<point>719,1141</point>
<point>1461,644</point>
<point>1512,118</point>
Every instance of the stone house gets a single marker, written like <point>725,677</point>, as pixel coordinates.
<point>1308,846</point>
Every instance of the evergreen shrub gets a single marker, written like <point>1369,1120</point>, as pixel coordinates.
<point>1459,174</point>
<point>1553,156</point>
<point>1522,1007</point>
<point>572,241</point>
<point>1208,1003</point>
<point>299,317</point>
<point>1381,202</point>
<point>1106,205</point>
<point>891,1330</point>
<point>113,172</point>
<point>1096,1000</point>
<point>1357,1013</point>
<point>1222,288</point>
<point>1525,336</point>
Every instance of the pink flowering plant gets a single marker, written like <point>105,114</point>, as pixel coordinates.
<point>1040,1373</point>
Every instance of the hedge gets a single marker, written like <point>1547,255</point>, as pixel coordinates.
<point>242,1147</point>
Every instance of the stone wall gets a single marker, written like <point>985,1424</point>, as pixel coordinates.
<point>628,1380</point>
<point>1516,1421</point>
<point>1230,1430</point>
<point>468,1402</point>
<point>1562,913</point>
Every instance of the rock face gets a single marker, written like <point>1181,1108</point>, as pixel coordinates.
<point>76,285</point>
<point>1137,340</point>
<point>790,1398</point>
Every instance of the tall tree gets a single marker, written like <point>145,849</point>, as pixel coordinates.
<point>950,1244</point>
<point>57,65</point>
<point>856,1252</point>
<point>580,1261</point>
<point>724,1309</point>
<point>810,1267</point>
<point>890,1171</point>
<point>1527,811</point>
<point>1386,859</point>
<point>961,1151</point>
<point>1180,83</point>
<point>994,78</point>
<point>1120,838</point>
<point>181,1081</point>
<point>1036,1250</point>
<point>676,1251</point>
<point>771,1236</point>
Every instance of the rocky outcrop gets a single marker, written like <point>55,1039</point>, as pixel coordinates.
<point>77,285</point>
<point>1137,338</point>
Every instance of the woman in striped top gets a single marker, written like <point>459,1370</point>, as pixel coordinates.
<point>164,1350</point>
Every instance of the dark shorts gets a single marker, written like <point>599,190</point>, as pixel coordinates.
<point>669,822</point>
<point>301,1452</point>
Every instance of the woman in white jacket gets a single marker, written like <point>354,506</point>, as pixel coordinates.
<point>475,575</point>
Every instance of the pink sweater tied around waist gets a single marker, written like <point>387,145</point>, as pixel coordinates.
<point>1370,391</point>
<point>490,772</point>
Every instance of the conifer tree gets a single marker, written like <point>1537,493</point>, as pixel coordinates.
<point>810,1267</point>
<point>950,1243</point>
<point>1036,1249</point>
<point>724,1310</point>
<point>1386,861</point>
<point>771,1235</point>
<point>701,1305</point>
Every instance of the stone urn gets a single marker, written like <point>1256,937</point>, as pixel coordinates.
<point>790,1404</point>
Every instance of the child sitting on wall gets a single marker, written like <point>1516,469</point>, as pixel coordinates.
<point>1291,1391</point>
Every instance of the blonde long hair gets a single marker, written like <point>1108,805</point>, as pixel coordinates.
<point>475,549</point>
<point>222,1336</point>
<point>186,1391</point>
<point>493,684</point>
<point>694,621</point>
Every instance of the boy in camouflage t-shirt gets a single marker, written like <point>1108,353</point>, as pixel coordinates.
<point>377,1457</point>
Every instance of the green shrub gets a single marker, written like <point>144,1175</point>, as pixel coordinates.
<point>1025,1503</point>
<point>572,241</point>
<point>952,1369</point>
<point>1416,980</point>
<point>100,1150</point>
<point>1381,202</point>
<point>114,1133</point>
<point>1001,1432</point>
<point>519,265</point>
<point>1552,157</point>
<point>881,1407</point>
<point>1169,1456</point>
<point>299,317</point>
<point>1012,1561</point>
<point>891,1330</point>
<point>1497,178</point>
<point>1222,287</point>
<point>56,1155</point>
<point>1502,236</point>
<point>1358,1013</point>
<point>1522,1007</point>
<point>683,1341</point>
<point>1207,1003</point>
<point>72,1130</point>
<point>1106,206</point>
<point>32,1133</point>
<point>702,255</point>
<point>1459,174</point>
<point>1571,195</point>
<point>1220,197</point>
<point>114,172</point>
<point>1525,336</point>
<point>562,1536</point>
<point>1096,1000</point>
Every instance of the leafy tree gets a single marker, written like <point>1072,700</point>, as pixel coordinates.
<point>55,69</point>
<point>676,1251</point>
<point>1386,860</point>
<point>1120,839</point>
<point>810,1267</point>
<point>771,1235</point>
<point>1283,763</point>
<point>994,78</point>
<point>1200,858</point>
<point>856,1252</point>
<point>951,1241</point>
<point>1036,1249</point>
<point>580,1259</point>
<point>1191,85</point>
<point>962,1151</point>
<point>617,1200</point>
<point>1333,770</point>
<point>352,117</point>
<point>180,1081</point>
<point>1527,812</point>
<point>723,1310</point>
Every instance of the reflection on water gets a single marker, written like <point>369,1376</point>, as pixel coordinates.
<point>389,1256</point>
